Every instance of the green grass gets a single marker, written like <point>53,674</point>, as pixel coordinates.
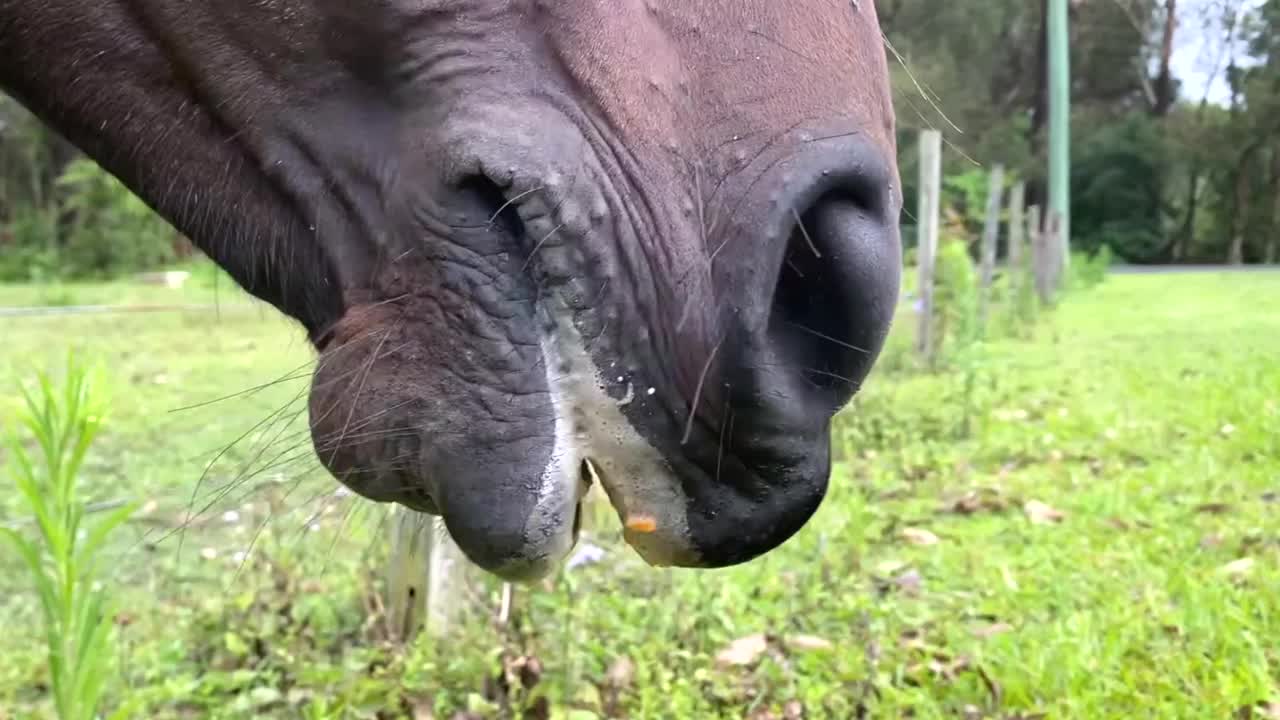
<point>1146,411</point>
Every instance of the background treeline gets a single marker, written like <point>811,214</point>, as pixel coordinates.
<point>1159,175</point>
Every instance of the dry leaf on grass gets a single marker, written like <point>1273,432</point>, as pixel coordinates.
<point>1259,711</point>
<point>793,710</point>
<point>621,673</point>
<point>1214,508</point>
<point>743,651</point>
<point>919,536</point>
<point>750,649</point>
<point>1119,524</point>
<point>1239,569</point>
<point>1007,576</point>
<point>807,643</point>
<point>909,582</point>
<point>1042,514</point>
<point>889,567</point>
<point>976,501</point>
<point>422,710</point>
<point>987,631</point>
<point>940,666</point>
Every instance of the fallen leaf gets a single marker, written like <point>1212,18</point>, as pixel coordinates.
<point>1208,542</point>
<point>987,631</point>
<point>1041,514</point>
<point>586,554</point>
<point>948,669</point>
<point>807,643</point>
<point>744,651</point>
<point>422,710</point>
<point>793,710</point>
<point>889,567</point>
<point>1011,415</point>
<point>976,501</point>
<point>919,536</point>
<point>1259,711</point>
<point>263,697</point>
<point>1239,569</point>
<point>1271,497</point>
<point>910,582</point>
<point>621,673</point>
<point>993,688</point>
<point>1010,581</point>
<point>1119,524</point>
<point>1214,508</point>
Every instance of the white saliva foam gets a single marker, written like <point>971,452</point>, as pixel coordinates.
<point>590,425</point>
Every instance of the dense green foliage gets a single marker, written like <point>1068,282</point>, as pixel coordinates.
<point>63,217</point>
<point>1159,174</point>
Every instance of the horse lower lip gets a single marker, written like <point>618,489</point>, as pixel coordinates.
<point>641,528</point>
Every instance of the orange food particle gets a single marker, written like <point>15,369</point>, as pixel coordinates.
<point>642,524</point>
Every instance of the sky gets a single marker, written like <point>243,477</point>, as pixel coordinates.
<point>1198,57</point>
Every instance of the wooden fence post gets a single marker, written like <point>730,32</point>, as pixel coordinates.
<point>427,577</point>
<point>1059,250</point>
<point>927,220</point>
<point>990,238</point>
<point>1040,256</point>
<point>1017,233</point>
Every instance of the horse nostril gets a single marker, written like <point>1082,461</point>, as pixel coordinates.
<point>834,296</point>
<point>497,210</point>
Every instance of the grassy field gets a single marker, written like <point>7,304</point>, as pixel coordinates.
<point>1084,524</point>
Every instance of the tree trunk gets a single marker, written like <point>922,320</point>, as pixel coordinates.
<point>1040,112</point>
<point>1240,211</point>
<point>1187,233</point>
<point>1164,80</point>
<point>1273,236</point>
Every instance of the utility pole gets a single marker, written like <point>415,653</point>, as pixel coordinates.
<point>1060,125</point>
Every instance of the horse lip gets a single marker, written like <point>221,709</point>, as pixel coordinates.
<point>602,444</point>
<point>648,528</point>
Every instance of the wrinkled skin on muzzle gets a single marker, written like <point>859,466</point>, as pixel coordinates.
<point>536,243</point>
